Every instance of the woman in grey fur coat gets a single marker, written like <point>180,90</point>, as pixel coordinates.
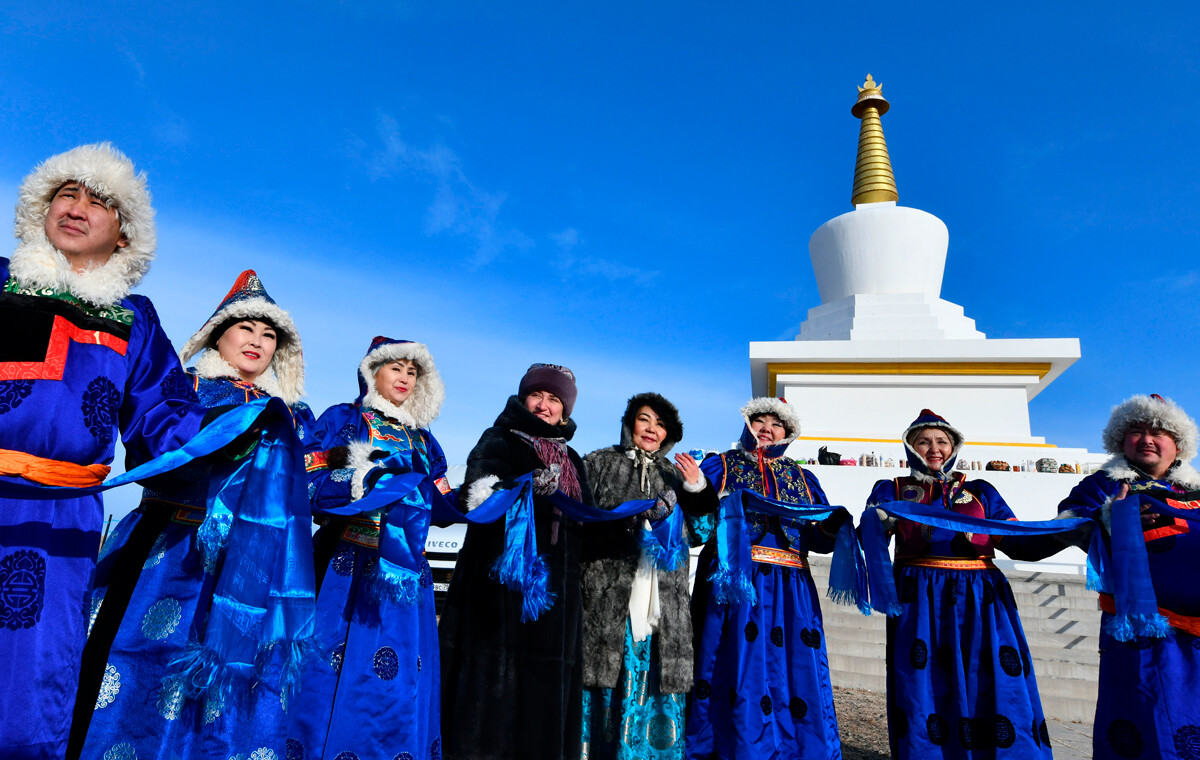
<point>637,632</point>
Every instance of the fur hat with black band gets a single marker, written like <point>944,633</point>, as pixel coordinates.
<point>1156,412</point>
<point>929,419</point>
<point>666,412</point>
<point>424,403</point>
<point>781,409</point>
<point>109,175</point>
<point>554,378</point>
<point>248,299</point>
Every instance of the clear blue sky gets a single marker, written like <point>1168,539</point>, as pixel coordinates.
<point>630,191</point>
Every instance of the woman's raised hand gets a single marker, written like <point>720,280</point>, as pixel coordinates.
<point>686,464</point>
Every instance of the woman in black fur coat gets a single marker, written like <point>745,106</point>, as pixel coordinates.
<point>637,631</point>
<point>513,689</point>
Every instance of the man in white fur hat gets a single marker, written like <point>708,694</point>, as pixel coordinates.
<point>81,360</point>
<point>1149,695</point>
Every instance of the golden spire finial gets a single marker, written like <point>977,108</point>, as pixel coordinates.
<point>873,178</point>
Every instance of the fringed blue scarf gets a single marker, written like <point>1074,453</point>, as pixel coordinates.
<point>875,540</point>
<point>1127,576</point>
<point>731,579</point>
<point>265,596</point>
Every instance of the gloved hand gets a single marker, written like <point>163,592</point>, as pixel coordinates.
<point>888,521</point>
<point>545,481</point>
<point>830,525</point>
<point>664,503</point>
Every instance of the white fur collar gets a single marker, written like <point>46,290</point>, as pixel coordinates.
<point>380,404</point>
<point>38,264</point>
<point>210,364</point>
<point>1184,475</point>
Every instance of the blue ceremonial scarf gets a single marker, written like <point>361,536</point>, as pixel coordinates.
<point>1127,577</point>
<point>731,577</point>
<point>265,593</point>
<point>879,564</point>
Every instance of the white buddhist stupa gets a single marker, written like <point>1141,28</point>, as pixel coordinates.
<point>883,345</point>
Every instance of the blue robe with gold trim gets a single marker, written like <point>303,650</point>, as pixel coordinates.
<point>140,707</point>
<point>763,688</point>
<point>377,695</point>
<point>71,377</point>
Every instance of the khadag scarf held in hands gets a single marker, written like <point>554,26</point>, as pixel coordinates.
<point>264,596</point>
<point>1121,569</point>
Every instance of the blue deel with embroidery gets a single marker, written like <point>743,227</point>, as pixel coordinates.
<point>879,564</point>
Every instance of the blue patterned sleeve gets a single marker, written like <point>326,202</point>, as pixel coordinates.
<point>329,485</point>
<point>159,411</point>
<point>1089,495</point>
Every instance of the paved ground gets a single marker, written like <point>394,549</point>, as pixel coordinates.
<point>862,720</point>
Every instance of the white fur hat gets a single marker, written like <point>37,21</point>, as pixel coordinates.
<point>1155,411</point>
<point>425,404</point>
<point>778,407</point>
<point>109,174</point>
<point>248,299</point>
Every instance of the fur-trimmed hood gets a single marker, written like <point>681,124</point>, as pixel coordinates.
<point>248,299</point>
<point>666,412</point>
<point>425,402</point>
<point>108,174</point>
<point>1155,411</point>
<point>916,463</point>
<point>769,405</point>
<point>1181,474</point>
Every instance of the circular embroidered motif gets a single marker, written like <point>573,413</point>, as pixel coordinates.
<point>403,756</point>
<point>911,493</point>
<point>811,638</point>
<point>918,656</point>
<point>177,385</point>
<point>157,552</point>
<point>751,631</point>
<point>12,393</point>
<point>1187,742</point>
<point>161,619</point>
<point>346,756</point>
<point>99,407</point>
<point>765,704</point>
<point>343,563</point>
<point>336,657</point>
<point>263,753</point>
<point>777,636</point>
<point>122,751</point>
<point>385,663</point>
<point>937,729</point>
<point>703,689</point>
<point>110,686</point>
<point>1010,660</point>
<point>170,698</point>
<point>1124,738</point>
<point>661,732</point>
<point>1005,733</point>
<point>798,708</point>
<point>295,750</point>
<point>22,588</point>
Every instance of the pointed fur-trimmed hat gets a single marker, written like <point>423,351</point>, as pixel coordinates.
<point>425,403</point>
<point>781,409</point>
<point>1154,411</point>
<point>248,299</point>
<point>108,174</point>
<point>930,419</point>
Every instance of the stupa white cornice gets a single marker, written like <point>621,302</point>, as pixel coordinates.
<point>883,344</point>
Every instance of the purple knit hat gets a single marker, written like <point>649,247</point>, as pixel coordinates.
<point>550,377</point>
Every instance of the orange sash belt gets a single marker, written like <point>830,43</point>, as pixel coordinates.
<point>51,472</point>
<point>947,563</point>
<point>774,556</point>
<point>1187,624</point>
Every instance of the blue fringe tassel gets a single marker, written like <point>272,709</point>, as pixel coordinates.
<point>532,584</point>
<point>1094,581</point>
<point>204,674</point>
<point>848,597</point>
<point>1133,627</point>
<point>732,587</point>
<point>395,587</point>
<point>659,555</point>
<point>299,653</point>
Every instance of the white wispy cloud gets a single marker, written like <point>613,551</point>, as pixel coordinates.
<point>573,264</point>
<point>459,206</point>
